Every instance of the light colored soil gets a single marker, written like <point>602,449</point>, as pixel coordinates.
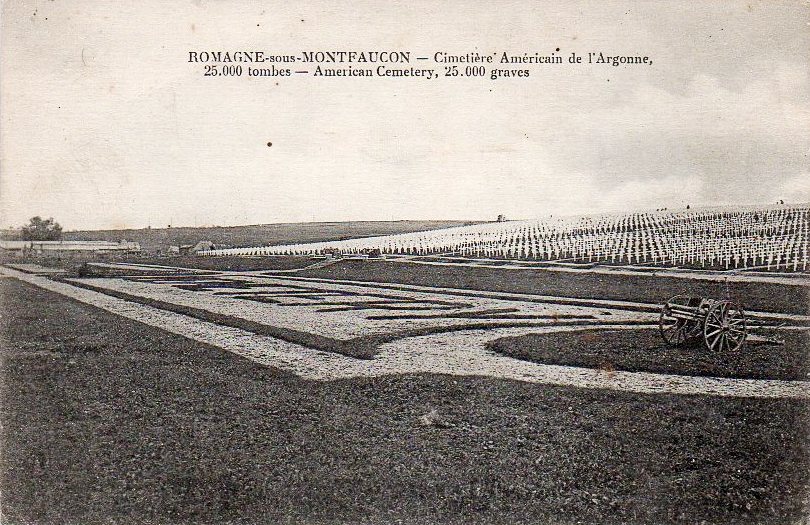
<point>36,268</point>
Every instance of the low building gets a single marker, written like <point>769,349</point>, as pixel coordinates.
<point>202,246</point>
<point>193,249</point>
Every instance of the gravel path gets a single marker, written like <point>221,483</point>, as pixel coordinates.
<point>708,275</point>
<point>152,267</point>
<point>456,353</point>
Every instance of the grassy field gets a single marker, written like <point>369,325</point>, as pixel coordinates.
<point>643,351</point>
<point>642,288</point>
<point>154,239</point>
<point>107,420</point>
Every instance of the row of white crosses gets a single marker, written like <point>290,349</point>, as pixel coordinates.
<point>771,238</point>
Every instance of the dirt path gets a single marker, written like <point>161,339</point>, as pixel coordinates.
<point>707,275</point>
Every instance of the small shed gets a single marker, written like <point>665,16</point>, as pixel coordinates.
<point>202,246</point>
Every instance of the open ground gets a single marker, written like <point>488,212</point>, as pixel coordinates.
<point>377,391</point>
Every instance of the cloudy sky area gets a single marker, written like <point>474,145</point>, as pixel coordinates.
<point>105,124</point>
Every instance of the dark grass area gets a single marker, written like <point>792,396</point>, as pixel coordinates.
<point>109,421</point>
<point>212,285</point>
<point>642,288</point>
<point>386,306</point>
<point>643,350</point>
<point>180,278</point>
<point>494,313</point>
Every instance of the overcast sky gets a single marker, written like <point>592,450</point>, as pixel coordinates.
<point>105,124</point>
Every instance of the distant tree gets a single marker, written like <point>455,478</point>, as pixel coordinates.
<point>39,229</point>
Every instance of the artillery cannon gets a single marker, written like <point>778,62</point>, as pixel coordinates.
<point>720,324</point>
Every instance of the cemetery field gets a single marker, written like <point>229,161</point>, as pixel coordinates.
<point>768,238</point>
<point>109,419</point>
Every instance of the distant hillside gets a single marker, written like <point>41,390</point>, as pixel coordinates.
<point>158,239</point>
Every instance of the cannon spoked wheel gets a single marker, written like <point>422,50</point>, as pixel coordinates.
<point>724,328</point>
<point>677,329</point>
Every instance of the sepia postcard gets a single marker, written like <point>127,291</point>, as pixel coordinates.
<point>404,262</point>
